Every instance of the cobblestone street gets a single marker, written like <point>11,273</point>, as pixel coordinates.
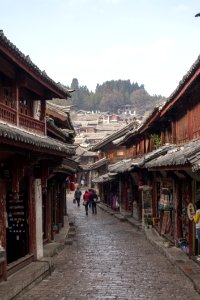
<point>110,259</point>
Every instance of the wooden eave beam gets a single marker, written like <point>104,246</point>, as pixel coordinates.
<point>133,139</point>
<point>7,68</point>
<point>53,132</point>
<point>183,90</point>
<point>142,129</point>
<point>172,168</point>
<point>20,63</point>
<point>150,121</point>
<point>32,148</point>
<point>55,114</point>
<point>31,85</point>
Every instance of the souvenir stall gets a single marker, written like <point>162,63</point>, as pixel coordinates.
<point>136,197</point>
<point>183,223</point>
<point>166,211</point>
<point>114,194</point>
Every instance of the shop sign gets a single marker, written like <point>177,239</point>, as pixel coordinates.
<point>190,211</point>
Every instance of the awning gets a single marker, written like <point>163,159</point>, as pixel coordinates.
<point>22,138</point>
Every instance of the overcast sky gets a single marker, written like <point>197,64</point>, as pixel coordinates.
<point>152,42</point>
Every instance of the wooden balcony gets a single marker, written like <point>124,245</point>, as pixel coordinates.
<point>31,124</point>
<point>9,115</point>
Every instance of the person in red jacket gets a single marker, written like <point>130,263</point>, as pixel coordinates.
<point>86,201</point>
<point>90,197</point>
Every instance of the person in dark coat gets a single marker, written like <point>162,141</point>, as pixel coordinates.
<point>93,200</point>
<point>77,195</point>
<point>90,193</point>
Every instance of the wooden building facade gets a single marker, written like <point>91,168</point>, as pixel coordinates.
<point>165,165</point>
<point>31,163</point>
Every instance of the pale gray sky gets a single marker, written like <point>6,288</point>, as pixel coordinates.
<point>152,42</point>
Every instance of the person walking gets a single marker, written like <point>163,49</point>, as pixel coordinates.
<point>92,199</point>
<point>94,202</point>
<point>86,201</point>
<point>90,193</point>
<point>77,196</point>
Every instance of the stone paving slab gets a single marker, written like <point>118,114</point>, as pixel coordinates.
<point>175,255</point>
<point>33,273</point>
<point>110,259</point>
<point>52,249</point>
<point>117,262</point>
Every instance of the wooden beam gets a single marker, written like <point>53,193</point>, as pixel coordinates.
<point>182,91</point>
<point>30,84</point>
<point>7,68</point>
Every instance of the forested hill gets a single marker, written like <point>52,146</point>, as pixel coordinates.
<point>112,95</point>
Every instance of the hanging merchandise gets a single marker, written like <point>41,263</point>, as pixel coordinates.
<point>165,202</point>
<point>17,230</point>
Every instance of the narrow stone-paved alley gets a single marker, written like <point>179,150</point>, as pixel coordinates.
<point>110,259</point>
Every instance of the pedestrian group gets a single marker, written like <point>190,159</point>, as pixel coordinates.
<point>90,198</point>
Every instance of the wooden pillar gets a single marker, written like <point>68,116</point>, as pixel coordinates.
<point>32,215</point>
<point>43,113</point>
<point>189,114</point>
<point>178,211</point>
<point>3,213</point>
<point>17,103</point>
<point>3,262</point>
<point>63,200</point>
<point>154,198</point>
<point>163,137</point>
<point>192,231</point>
<point>48,215</point>
<point>120,194</point>
<point>44,176</point>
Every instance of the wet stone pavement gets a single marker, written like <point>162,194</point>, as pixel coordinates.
<point>110,259</point>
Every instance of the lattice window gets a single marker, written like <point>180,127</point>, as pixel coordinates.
<point>25,106</point>
<point>8,97</point>
<point>182,129</point>
<point>196,122</point>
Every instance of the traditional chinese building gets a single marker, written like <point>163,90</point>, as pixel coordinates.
<point>35,158</point>
<point>164,165</point>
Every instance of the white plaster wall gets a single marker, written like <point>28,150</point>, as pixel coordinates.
<point>36,110</point>
<point>38,201</point>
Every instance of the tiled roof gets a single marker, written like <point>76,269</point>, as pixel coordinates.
<point>128,165</point>
<point>62,110</point>
<point>184,81</point>
<point>67,166</point>
<point>103,178</point>
<point>183,155</point>
<point>25,60</point>
<point>84,152</point>
<point>51,124</point>
<point>23,138</point>
<point>116,135</point>
<point>158,152</point>
<point>99,163</point>
<point>135,131</point>
<point>125,165</point>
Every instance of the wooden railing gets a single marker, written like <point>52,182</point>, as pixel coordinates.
<point>31,124</point>
<point>8,114</point>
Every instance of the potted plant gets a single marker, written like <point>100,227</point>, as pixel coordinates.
<point>150,222</point>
